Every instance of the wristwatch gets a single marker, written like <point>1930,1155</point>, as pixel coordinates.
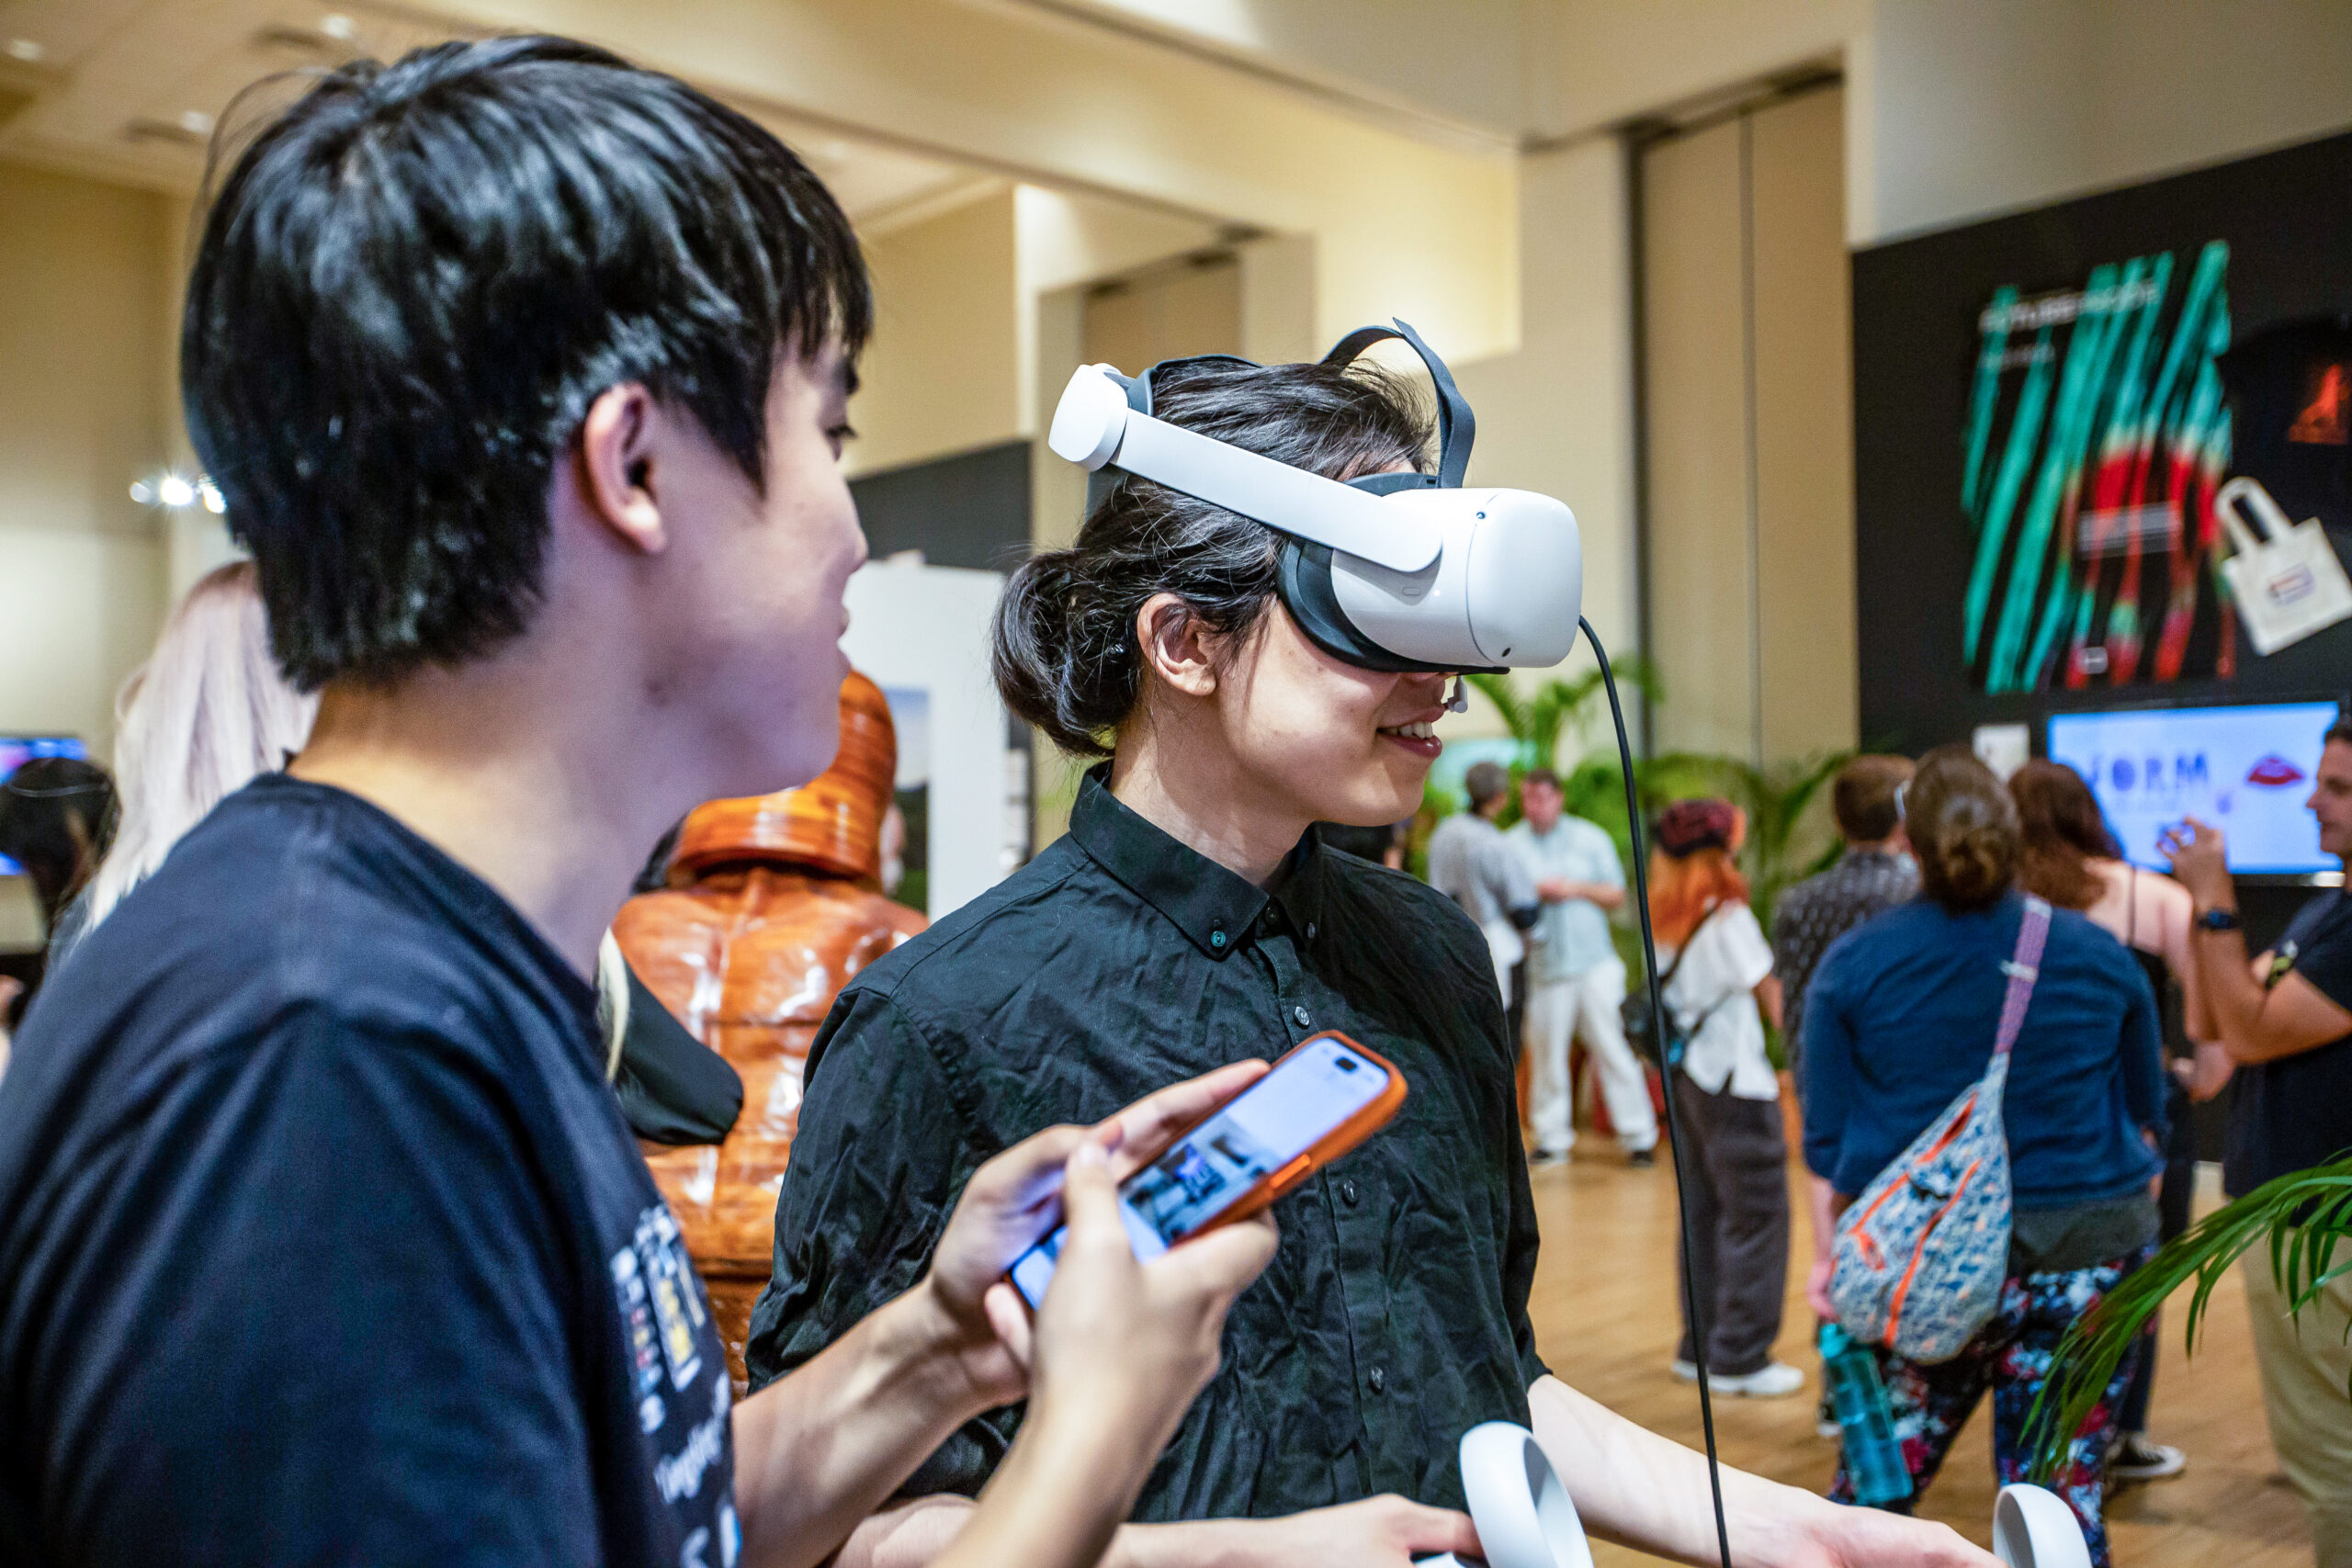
<point>2217,919</point>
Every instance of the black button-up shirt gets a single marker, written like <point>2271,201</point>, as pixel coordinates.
<point>1394,1317</point>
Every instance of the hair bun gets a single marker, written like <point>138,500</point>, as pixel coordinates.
<point>1963,829</point>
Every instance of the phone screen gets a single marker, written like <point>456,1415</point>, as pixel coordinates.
<point>1210,1168</point>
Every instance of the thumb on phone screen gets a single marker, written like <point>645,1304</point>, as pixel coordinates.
<point>1142,1336</point>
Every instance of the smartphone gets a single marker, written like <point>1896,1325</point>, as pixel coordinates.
<point>1317,1103</point>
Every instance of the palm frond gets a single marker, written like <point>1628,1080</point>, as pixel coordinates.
<point>2305,1215</point>
<point>1498,690</point>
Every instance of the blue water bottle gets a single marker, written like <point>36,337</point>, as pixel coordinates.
<point>1874,1457</point>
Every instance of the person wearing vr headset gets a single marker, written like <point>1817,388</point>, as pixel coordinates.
<point>1248,648</point>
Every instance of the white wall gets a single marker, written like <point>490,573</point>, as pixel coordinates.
<point>926,628</point>
<point>1557,416</point>
<point>1995,105</point>
<point>82,413</point>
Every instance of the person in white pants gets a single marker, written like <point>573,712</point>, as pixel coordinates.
<point>1575,979</point>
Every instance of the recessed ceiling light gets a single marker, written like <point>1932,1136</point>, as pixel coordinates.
<point>339,27</point>
<point>196,122</point>
<point>29,50</point>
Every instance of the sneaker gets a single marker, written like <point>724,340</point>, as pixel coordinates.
<point>1641,1159</point>
<point>1551,1157</point>
<point>2137,1458</point>
<point>1774,1379</point>
<point>1824,1418</point>
<point>1688,1371</point>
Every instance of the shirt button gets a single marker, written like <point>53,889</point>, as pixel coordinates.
<point>1305,1019</point>
<point>1216,939</point>
<point>1349,1194</point>
<point>1310,930</point>
<point>1378,1378</point>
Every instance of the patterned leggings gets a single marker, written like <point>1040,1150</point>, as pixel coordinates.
<point>2011,1355</point>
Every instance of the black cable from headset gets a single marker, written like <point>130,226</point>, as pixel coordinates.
<point>1665,1073</point>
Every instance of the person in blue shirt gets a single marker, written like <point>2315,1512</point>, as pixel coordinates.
<point>1575,982</point>
<point>1900,1019</point>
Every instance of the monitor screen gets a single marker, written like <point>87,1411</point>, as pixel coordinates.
<point>16,750</point>
<point>2246,770</point>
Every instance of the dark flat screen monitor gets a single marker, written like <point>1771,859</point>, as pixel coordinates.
<point>2246,769</point>
<point>16,750</point>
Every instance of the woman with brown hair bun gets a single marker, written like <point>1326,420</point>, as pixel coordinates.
<point>2070,858</point>
<point>1192,915</point>
<point>1901,1019</point>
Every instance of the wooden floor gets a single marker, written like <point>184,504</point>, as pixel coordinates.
<point>1606,1323</point>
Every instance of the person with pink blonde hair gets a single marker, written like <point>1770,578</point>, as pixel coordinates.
<point>204,716</point>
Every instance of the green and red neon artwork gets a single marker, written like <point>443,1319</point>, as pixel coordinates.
<point>2096,438</point>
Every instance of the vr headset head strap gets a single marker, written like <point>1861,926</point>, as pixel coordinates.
<point>1103,481</point>
<point>1457,427</point>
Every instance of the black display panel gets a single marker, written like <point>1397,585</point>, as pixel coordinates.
<point>2047,406</point>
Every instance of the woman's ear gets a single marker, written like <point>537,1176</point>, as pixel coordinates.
<point>1177,645</point>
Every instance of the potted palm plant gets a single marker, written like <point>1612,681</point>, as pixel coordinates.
<point>2302,1217</point>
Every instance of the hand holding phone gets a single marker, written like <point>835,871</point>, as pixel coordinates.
<point>1320,1100</point>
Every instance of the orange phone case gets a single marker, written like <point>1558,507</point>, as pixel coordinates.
<point>1325,1149</point>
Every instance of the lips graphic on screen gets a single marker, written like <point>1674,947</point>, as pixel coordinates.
<point>2275,772</point>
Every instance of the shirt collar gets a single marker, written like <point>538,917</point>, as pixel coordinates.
<point>1214,908</point>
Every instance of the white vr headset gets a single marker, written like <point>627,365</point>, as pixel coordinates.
<point>1402,572</point>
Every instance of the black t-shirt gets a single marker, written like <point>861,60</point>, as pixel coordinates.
<point>324,1239</point>
<point>2296,1112</point>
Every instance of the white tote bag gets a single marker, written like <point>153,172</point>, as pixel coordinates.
<point>2288,582</point>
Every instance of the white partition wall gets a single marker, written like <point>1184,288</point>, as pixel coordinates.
<point>926,628</point>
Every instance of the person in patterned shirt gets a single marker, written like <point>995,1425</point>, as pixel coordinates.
<point>1874,874</point>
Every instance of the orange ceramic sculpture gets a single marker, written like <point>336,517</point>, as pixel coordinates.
<point>773,907</point>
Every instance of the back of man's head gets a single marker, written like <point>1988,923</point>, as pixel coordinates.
<point>413,284</point>
<point>1485,783</point>
<point>1863,797</point>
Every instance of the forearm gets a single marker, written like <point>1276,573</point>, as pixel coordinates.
<point>2233,997</point>
<point>2209,1072</point>
<point>1638,1489</point>
<point>819,1451</point>
<point>1821,1202</point>
<point>1058,1499</point>
<point>918,1534</point>
<point>910,1534</point>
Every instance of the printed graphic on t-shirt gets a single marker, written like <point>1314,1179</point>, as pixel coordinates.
<point>668,1333</point>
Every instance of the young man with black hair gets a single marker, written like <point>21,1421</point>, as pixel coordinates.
<point>2286,1019</point>
<point>523,373</point>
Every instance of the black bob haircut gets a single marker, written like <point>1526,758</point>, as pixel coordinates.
<point>414,282</point>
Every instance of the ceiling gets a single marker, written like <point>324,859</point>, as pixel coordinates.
<point>131,90</point>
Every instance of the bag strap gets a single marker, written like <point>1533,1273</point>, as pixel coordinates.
<point>2023,968</point>
<point>1683,951</point>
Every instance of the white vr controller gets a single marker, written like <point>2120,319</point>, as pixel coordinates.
<point>1526,1519</point>
<point>1400,572</point>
